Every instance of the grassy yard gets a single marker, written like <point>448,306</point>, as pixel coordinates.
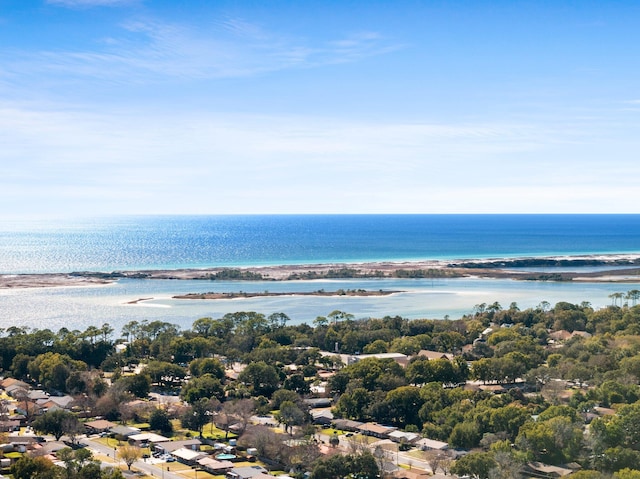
<point>143,426</point>
<point>209,431</point>
<point>417,454</point>
<point>330,431</point>
<point>362,439</point>
<point>200,474</point>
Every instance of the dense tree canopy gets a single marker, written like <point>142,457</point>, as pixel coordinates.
<point>556,364</point>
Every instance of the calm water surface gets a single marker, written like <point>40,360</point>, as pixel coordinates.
<point>130,243</point>
<point>81,307</point>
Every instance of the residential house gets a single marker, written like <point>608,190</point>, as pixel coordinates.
<point>167,447</point>
<point>146,438</point>
<point>347,424</point>
<point>124,431</point>
<point>431,444</point>
<point>546,471</point>
<point>213,466</point>
<point>431,355</point>
<point>250,472</point>
<point>187,456</point>
<point>37,395</point>
<point>98,426</point>
<point>322,416</point>
<point>13,384</point>
<point>411,474</point>
<point>314,403</point>
<point>404,437</point>
<point>9,425</point>
<point>376,430</point>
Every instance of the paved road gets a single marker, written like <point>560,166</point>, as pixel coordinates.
<point>394,456</point>
<point>155,470</point>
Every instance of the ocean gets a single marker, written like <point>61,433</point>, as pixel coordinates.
<point>164,242</point>
<point>167,242</point>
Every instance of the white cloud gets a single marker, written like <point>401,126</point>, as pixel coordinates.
<point>128,161</point>
<point>150,51</point>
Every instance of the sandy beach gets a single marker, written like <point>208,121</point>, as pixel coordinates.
<point>48,280</point>
<point>624,268</point>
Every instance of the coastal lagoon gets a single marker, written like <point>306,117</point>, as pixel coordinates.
<point>169,242</point>
<point>80,307</point>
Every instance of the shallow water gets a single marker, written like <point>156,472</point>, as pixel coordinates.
<point>80,307</point>
<point>164,242</point>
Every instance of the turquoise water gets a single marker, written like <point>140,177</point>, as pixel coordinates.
<point>159,242</point>
<point>162,242</point>
<point>79,308</point>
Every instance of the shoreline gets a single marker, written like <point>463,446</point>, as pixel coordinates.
<point>321,292</point>
<point>624,268</point>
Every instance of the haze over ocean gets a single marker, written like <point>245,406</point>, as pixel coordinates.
<point>164,242</point>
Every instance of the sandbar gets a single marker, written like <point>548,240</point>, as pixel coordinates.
<point>624,268</point>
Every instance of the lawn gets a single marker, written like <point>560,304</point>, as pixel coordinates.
<point>200,474</point>
<point>330,431</point>
<point>417,454</point>
<point>209,431</point>
<point>143,426</point>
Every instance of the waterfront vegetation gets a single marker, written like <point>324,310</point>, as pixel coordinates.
<point>555,384</point>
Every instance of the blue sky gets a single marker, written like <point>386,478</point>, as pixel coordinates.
<point>198,107</point>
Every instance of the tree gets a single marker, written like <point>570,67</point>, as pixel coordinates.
<point>591,474</point>
<point>205,386</point>
<point>555,441</point>
<point>139,384</point>
<point>618,458</point>
<point>282,395</point>
<point>507,467</point>
<point>196,416</point>
<point>351,466</point>
<point>265,440</point>
<point>28,467</point>
<point>129,454</point>
<point>278,320</point>
<point>465,435</point>
<point>475,464</point>
<point>434,459</point>
<point>159,421</point>
<point>290,414</point>
<point>53,369</point>
<point>337,315</point>
<point>627,421</point>
<point>508,419</point>
<point>241,411</point>
<point>627,473</point>
<point>72,428</point>
<point>296,383</point>
<point>262,378</point>
<point>212,366</point>
<point>634,296</point>
<point>404,404</point>
<point>353,404</point>
<point>56,423</point>
<point>80,464</point>
<point>165,374</point>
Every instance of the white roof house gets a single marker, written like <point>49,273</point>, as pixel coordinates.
<point>148,437</point>
<point>425,443</point>
<point>399,436</point>
<point>187,455</point>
